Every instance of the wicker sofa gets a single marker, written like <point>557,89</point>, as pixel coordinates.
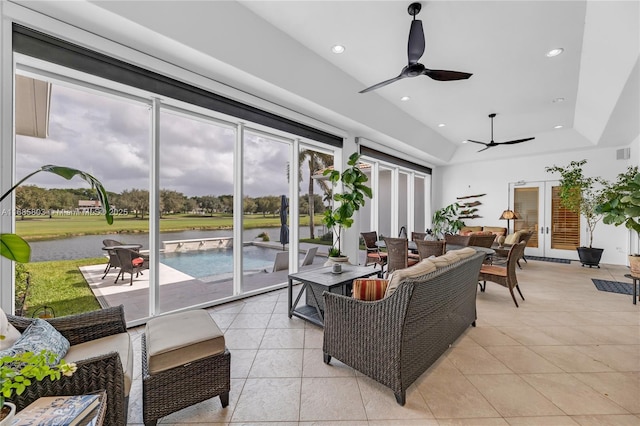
<point>101,349</point>
<point>394,340</point>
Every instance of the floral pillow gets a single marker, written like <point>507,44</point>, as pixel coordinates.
<point>39,336</point>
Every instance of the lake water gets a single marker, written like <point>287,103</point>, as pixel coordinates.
<point>91,245</point>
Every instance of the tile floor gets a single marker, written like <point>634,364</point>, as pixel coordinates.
<point>570,355</point>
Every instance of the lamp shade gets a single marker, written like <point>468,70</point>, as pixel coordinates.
<point>508,215</point>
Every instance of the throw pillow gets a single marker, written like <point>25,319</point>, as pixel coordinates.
<point>8,333</point>
<point>513,238</point>
<point>419,269</point>
<point>39,336</point>
<point>369,289</point>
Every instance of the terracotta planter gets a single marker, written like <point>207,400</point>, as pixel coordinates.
<point>590,256</point>
<point>634,263</point>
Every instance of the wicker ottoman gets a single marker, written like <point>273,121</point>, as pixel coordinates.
<point>184,361</point>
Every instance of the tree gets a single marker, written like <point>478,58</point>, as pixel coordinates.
<point>317,162</point>
<point>171,201</point>
<point>136,200</point>
<point>31,198</point>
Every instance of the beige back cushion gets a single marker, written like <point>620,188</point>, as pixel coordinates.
<point>466,229</point>
<point>464,252</point>
<point>496,230</point>
<point>513,238</point>
<point>421,268</point>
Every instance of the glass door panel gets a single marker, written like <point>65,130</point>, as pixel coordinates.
<point>384,202</point>
<point>419,215</point>
<point>403,201</point>
<point>197,261</point>
<point>527,207</point>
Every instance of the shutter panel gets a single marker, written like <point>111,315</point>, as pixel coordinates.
<point>565,224</point>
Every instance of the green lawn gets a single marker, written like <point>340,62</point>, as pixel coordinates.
<point>60,285</point>
<point>44,228</point>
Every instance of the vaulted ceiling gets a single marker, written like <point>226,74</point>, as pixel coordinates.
<point>281,51</point>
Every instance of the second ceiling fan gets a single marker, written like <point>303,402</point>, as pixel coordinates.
<point>415,49</point>
<point>492,143</point>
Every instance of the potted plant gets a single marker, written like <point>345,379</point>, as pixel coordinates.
<point>17,372</point>
<point>351,199</point>
<point>445,220</point>
<point>622,206</point>
<point>581,194</point>
<point>14,247</point>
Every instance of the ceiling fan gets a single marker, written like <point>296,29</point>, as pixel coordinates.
<point>492,143</point>
<point>415,49</point>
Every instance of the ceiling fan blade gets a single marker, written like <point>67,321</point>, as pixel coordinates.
<point>383,83</point>
<point>515,141</point>
<point>484,149</point>
<point>483,143</point>
<point>444,75</point>
<point>415,47</point>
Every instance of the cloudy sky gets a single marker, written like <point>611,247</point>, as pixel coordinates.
<point>109,138</point>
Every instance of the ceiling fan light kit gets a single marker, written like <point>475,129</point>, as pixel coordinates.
<point>492,143</point>
<point>415,50</point>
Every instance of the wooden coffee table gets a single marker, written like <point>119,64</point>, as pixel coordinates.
<point>317,281</point>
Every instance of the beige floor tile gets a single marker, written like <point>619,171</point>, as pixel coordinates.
<point>242,360</point>
<point>283,338</point>
<point>314,366</point>
<point>490,336</point>
<point>313,338</point>
<point>608,420</point>
<point>334,423</point>
<point>570,359</point>
<point>250,321</point>
<point>407,422</point>
<point>496,421</point>
<point>621,388</point>
<point>269,399</point>
<point>242,338</point>
<point>571,395</point>
<point>570,335</point>
<point>521,359</point>
<point>334,398</point>
<point>617,357</point>
<point>380,403</point>
<point>277,363</point>
<point>511,396</point>
<point>542,421</point>
<point>450,395</point>
<point>259,307</point>
<point>283,321</point>
<point>475,360</point>
<point>527,335</point>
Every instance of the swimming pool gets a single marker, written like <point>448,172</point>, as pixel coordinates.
<point>206,263</point>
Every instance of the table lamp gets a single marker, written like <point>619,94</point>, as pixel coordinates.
<point>508,215</point>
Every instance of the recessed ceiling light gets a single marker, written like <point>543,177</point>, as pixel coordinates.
<point>405,98</point>
<point>558,100</point>
<point>338,48</point>
<point>559,126</point>
<point>555,52</point>
<point>441,125</point>
<point>465,141</point>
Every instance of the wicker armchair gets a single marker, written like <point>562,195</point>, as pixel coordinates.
<point>398,254</point>
<point>430,248</point>
<point>104,372</point>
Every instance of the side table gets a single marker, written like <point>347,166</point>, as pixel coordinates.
<point>636,284</point>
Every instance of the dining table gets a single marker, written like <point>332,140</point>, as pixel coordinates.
<point>412,246</point>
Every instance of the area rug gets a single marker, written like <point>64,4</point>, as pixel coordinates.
<point>613,286</point>
<point>548,259</point>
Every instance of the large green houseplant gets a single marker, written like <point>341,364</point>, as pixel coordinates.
<point>16,248</point>
<point>351,199</point>
<point>622,207</point>
<point>582,194</point>
<point>446,221</point>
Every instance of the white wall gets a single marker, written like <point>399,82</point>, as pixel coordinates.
<point>493,178</point>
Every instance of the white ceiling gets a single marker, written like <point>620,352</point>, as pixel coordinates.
<point>280,51</point>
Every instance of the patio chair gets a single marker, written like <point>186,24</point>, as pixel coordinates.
<point>506,276</point>
<point>415,236</point>
<point>282,261</point>
<point>482,240</point>
<point>398,254</point>
<point>130,262</point>
<point>374,255</point>
<point>113,258</point>
<point>309,256</point>
<point>430,248</point>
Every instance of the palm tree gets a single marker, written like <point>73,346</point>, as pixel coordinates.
<point>317,161</point>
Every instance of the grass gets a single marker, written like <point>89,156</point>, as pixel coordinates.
<point>60,285</point>
<point>45,228</point>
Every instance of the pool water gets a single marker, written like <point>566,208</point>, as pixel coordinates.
<point>207,263</point>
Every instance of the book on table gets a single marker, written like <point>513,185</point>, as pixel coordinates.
<point>57,410</point>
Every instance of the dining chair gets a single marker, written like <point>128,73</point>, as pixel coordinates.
<point>374,255</point>
<point>415,236</point>
<point>505,276</point>
<point>427,249</point>
<point>398,254</point>
<point>113,257</point>
<point>131,262</point>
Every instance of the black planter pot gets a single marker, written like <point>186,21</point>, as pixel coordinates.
<point>590,256</point>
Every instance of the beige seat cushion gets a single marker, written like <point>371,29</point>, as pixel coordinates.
<point>177,339</point>
<point>421,268</point>
<point>120,343</point>
<point>513,238</point>
<point>464,252</point>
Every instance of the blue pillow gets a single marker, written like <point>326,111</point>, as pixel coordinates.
<point>40,335</point>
